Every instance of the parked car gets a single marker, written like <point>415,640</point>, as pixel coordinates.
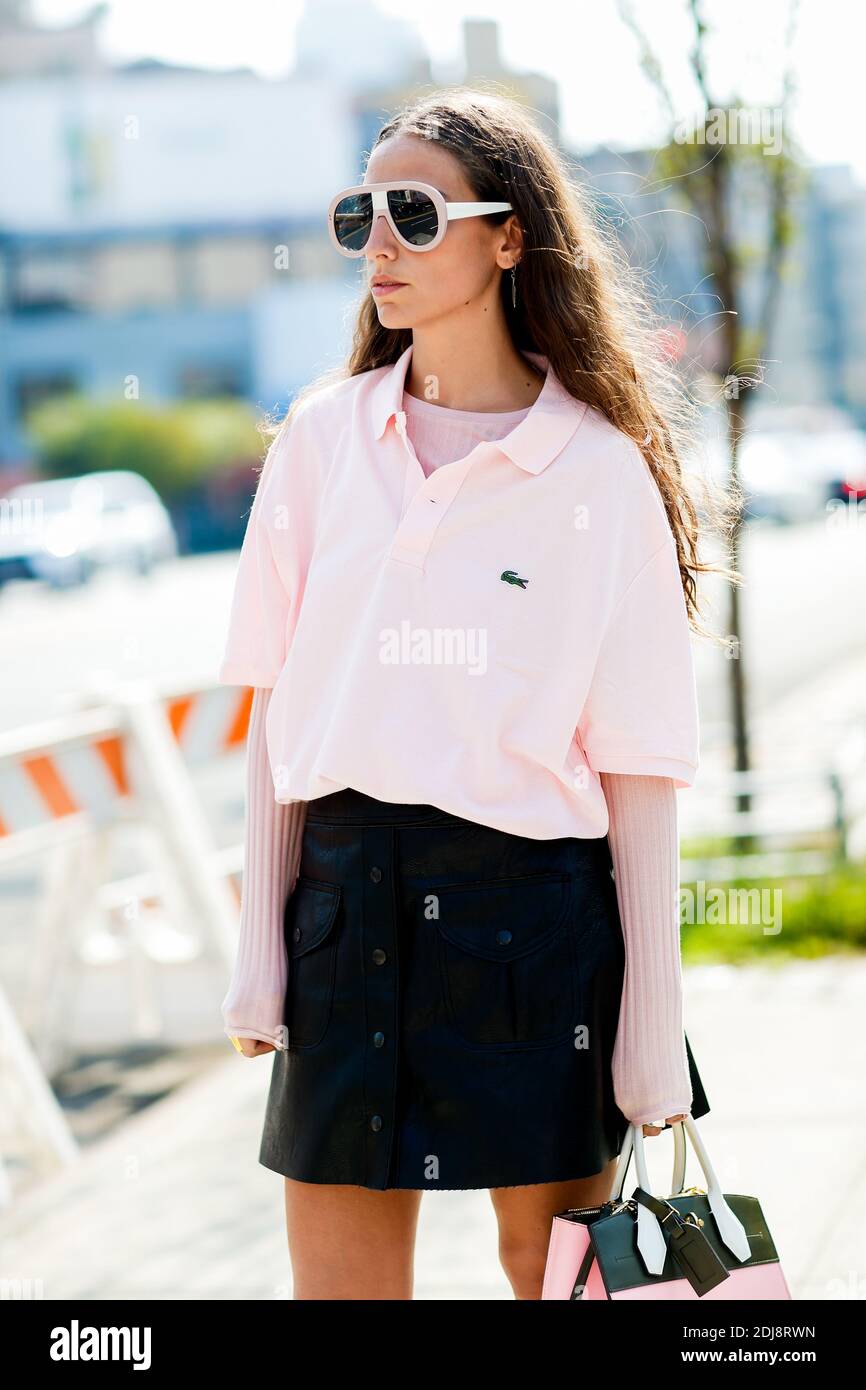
<point>64,529</point>
<point>840,457</point>
<point>793,461</point>
<point>779,478</point>
<point>792,477</point>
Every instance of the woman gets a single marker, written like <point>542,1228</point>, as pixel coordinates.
<point>463,604</point>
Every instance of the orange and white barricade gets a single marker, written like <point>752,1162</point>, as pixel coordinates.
<point>115,771</point>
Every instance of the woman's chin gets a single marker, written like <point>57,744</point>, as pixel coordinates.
<point>393,316</point>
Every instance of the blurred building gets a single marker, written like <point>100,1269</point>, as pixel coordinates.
<point>483,62</point>
<point>162,227</point>
<point>831,282</point>
<point>354,42</point>
<point>479,62</point>
<point>28,49</point>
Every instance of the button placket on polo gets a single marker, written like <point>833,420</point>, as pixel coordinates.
<point>425,500</point>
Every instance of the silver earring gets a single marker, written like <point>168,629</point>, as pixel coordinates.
<point>514,287</point>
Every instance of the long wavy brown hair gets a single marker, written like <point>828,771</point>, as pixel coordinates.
<point>580,303</point>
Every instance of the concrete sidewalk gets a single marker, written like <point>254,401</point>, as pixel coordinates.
<point>175,1205</point>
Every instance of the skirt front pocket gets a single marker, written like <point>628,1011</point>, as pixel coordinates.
<point>506,955</point>
<point>311,941</point>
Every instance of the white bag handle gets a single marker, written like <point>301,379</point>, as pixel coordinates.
<point>650,1240</point>
<point>679,1173</point>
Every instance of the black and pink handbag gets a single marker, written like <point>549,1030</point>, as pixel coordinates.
<point>693,1244</point>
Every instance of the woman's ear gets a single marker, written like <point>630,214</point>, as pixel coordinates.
<point>511,250</point>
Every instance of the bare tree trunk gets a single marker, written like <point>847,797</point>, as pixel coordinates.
<point>737,686</point>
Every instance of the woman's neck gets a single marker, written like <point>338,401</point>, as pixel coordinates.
<point>488,376</point>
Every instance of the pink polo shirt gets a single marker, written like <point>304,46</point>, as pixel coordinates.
<point>487,639</point>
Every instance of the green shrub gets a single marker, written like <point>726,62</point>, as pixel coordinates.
<point>819,916</point>
<point>175,447</point>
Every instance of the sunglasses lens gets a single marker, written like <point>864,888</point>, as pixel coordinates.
<point>353,218</point>
<point>414,215</point>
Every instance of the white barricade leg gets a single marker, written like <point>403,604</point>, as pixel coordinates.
<point>71,908</point>
<point>27,1096</point>
<point>171,801</point>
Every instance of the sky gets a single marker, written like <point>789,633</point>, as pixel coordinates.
<point>585,47</point>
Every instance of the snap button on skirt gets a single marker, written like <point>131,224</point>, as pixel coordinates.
<point>452,1004</point>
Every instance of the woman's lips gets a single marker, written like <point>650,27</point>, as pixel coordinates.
<point>387,287</point>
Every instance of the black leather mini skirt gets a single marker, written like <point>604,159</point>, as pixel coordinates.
<point>452,1004</point>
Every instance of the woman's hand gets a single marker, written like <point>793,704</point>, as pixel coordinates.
<point>657,1129</point>
<point>252,1047</point>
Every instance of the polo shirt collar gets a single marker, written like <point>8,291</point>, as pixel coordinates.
<point>532,444</point>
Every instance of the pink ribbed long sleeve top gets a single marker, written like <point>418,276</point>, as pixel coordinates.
<point>650,1065</point>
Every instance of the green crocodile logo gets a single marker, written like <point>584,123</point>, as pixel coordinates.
<point>512,577</point>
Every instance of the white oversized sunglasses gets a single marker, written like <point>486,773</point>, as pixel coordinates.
<point>417,214</point>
